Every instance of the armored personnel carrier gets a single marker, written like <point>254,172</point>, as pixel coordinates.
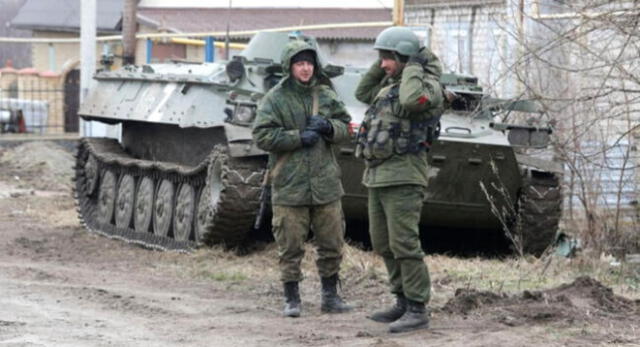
<point>185,170</point>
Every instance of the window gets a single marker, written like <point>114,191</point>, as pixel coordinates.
<point>495,62</point>
<point>457,55</point>
<point>609,173</point>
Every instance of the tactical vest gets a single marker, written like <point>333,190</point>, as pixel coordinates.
<point>382,134</point>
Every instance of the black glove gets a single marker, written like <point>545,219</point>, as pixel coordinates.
<point>319,125</point>
<point>417,58</point>
<point>309,138</point>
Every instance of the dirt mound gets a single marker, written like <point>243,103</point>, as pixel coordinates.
<point>583,299</point>
<point>587,293</point>
<point>466,300</point>
<point>41,165</point>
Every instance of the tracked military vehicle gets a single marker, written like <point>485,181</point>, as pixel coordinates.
<point>186,172</point>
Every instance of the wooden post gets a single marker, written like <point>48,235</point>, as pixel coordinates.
<point>129,32</point>
<point>398,12</point>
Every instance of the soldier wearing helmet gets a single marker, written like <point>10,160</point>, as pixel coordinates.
<point>406,100</point>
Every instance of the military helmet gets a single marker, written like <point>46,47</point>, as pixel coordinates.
<point>398,39</point>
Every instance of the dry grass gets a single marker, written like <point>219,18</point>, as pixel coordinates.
<point>217,264</point>
<point>515,275</point>
<point>510,275</point>
<point>364,274</point>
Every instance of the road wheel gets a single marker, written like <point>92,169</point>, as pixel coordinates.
<point>106,197</point>
<point>163,208</point>
<point>124,201</point>
<point>144,206</point>
<point>185,205</point>
<point>91,174</point>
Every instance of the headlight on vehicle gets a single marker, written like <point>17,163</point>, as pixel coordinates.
<point>244,114</point>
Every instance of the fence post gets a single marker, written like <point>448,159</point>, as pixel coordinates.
<point>52,57</point>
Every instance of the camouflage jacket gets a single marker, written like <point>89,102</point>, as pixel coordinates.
<point>307,176</point>
<point>419,97</point>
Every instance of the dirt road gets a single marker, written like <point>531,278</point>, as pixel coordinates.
<point>63,286</point>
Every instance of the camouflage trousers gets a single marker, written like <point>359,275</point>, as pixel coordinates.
<point>394,214</point>
<point>291,225</point>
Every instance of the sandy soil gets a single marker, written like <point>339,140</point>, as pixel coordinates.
<point>63,286</point>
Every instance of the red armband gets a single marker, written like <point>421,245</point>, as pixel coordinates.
<point>423,99</point>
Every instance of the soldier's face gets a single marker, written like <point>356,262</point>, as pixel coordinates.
<point>302,71</point>
<point>390,66</point>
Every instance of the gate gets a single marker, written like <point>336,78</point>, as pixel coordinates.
<point>71,100</point>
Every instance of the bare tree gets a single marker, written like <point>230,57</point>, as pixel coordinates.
<point>582,59</point>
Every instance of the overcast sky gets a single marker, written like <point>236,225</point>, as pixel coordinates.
<point>272,3</point>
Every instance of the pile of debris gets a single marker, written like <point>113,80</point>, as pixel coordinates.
<point>42,165</point>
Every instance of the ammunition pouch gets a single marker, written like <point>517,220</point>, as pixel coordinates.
<point>383,134</point>
<point>382,139</point>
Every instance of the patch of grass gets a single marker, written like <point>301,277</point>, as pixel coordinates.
<point>221,265</point>
<point>361,266</point>
<point>224,276</point>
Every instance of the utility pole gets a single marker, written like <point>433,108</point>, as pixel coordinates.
<point>87,54</point>
<point>129,30</point>
<point>398,12</point>
<point>226,37</point>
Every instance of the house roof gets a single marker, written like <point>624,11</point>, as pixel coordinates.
<point>64,15</point>
<point>215,19</point>
<point>448,3</point>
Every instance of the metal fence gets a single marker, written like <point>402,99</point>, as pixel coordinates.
<point>38,103</point>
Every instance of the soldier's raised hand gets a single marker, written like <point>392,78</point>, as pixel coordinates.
<point>417,58</point>
<point>309,138</point>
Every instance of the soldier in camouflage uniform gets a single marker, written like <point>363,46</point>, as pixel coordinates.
<point>406,101</point>
<point>297,122</point>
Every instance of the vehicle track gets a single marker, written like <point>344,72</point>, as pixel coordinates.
<point>165,206</point>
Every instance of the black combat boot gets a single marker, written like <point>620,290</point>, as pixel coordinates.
<point>331,301</point>
<point>414,318</point>
<point>292,299</point>
<point>393,313</point>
